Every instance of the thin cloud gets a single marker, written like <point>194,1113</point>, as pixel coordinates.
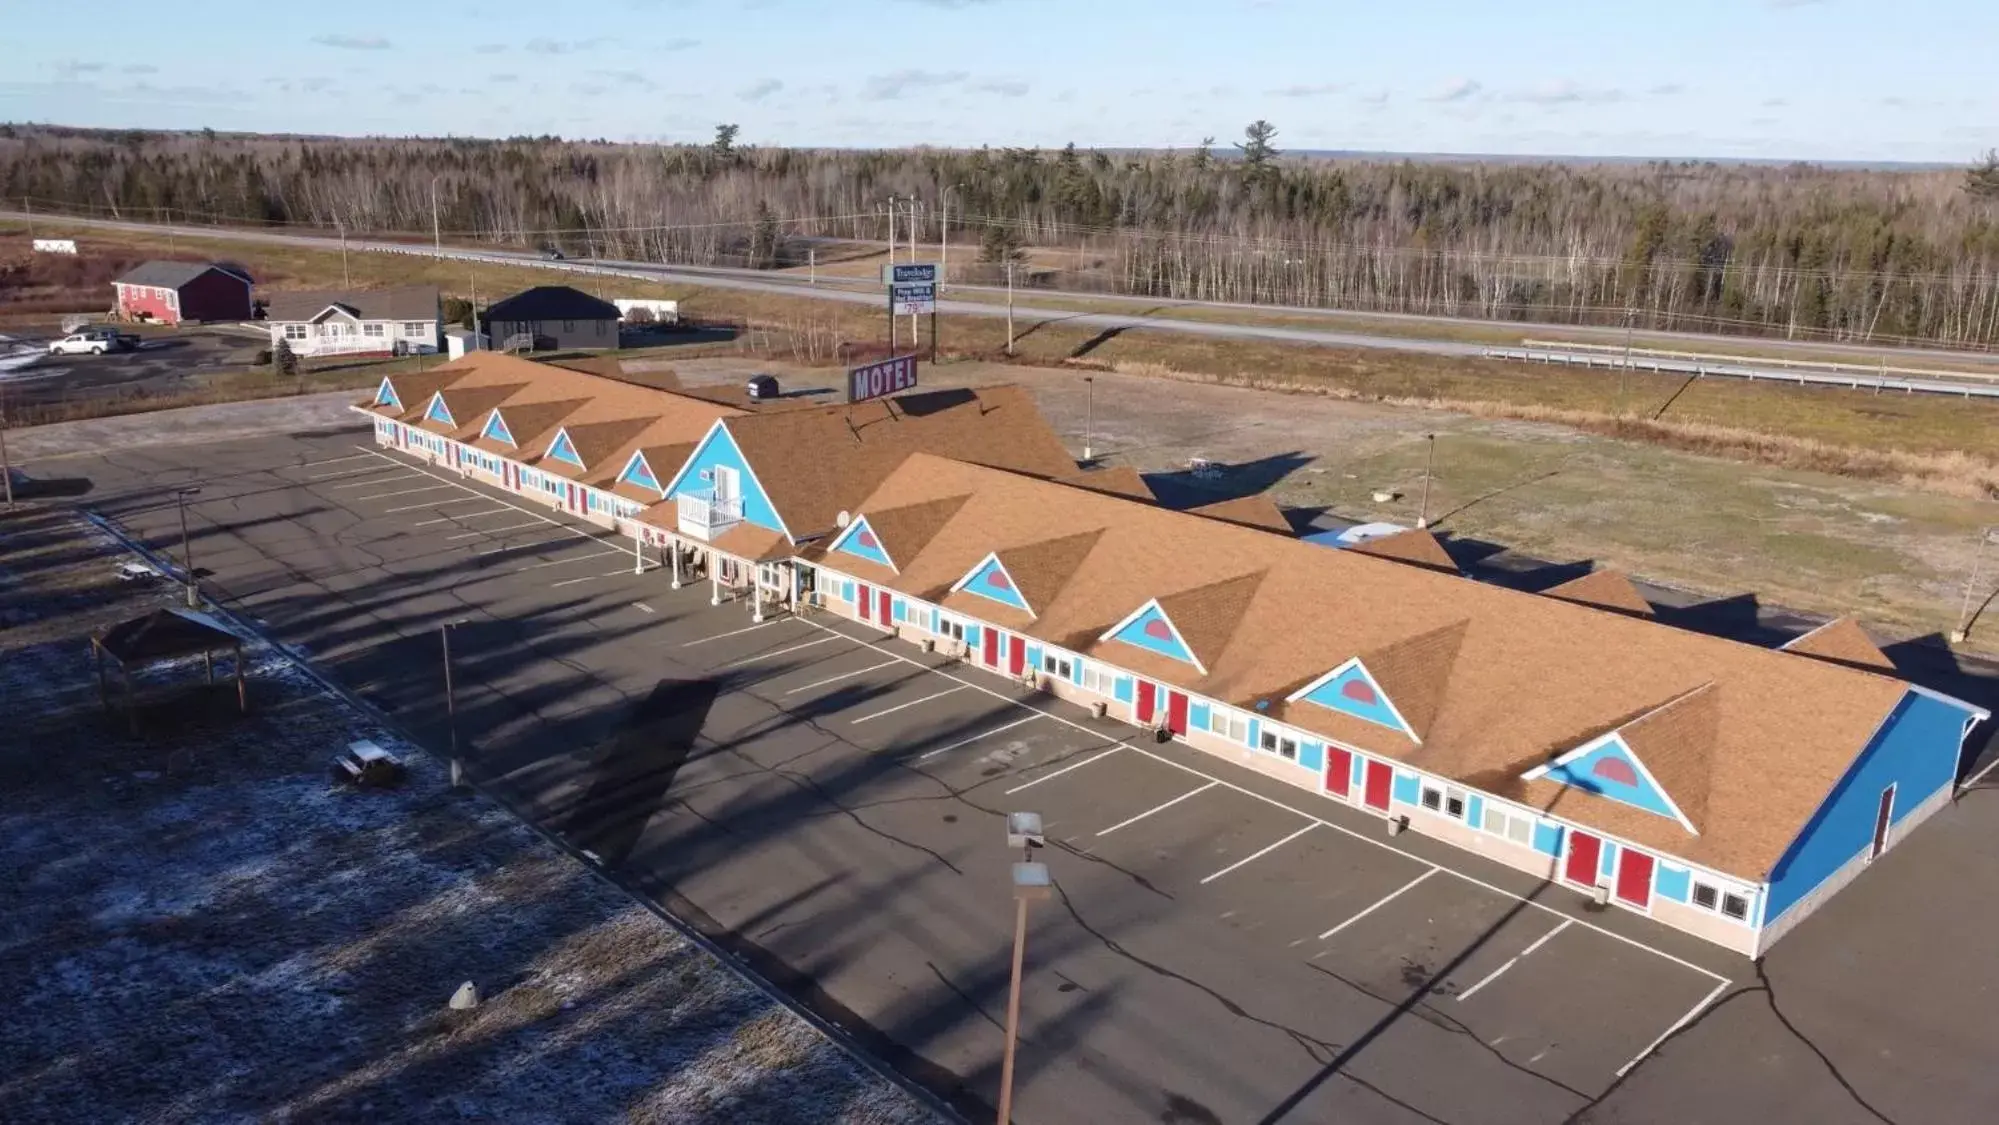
<point>74,68</point>
<point>1309,91</point>
<point>1666,90</point>
<point>1459,90</point>
<point>889,87</point>
<point>140,68</point>
<point>489,49</point>
<point>758,91</point>
<point>503,77</point>
<point>628,78</point>
<point>1785,5</point>
<point>542,45</point>
<point>1568,93</point>
<point>1004,87</point>
<point>952,5</point>
<point>1776,103</point>
<point>353,42</point>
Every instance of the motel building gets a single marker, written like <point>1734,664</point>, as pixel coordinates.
<point>1723,789</point>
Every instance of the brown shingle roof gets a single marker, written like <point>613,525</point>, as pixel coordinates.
<point>1841,641</point>
<point>1254,510</point>
<point>815,463</point>
<point>1116,480</point>
<point>1413,546</point>
<point>1532,677</point>
<point>1604,589</point>
<point>905,531</point>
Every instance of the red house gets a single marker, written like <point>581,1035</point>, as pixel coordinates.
<point>171,292</point>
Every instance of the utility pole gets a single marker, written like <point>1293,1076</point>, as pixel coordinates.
<point>1009,308</point>
<point>1031,883</point>
<point>187,545</point>
<point>1423,513</point>
<point>812,265</point>
<point>6,465</point>
<point>944,236</point>
<point>1963,630</point>
<point>1090,419</point>
<point>450,700</point>
<point>436,231</point>
<point>342,228</point>
<point>1624,372</point>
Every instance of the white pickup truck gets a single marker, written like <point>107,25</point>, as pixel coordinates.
<point>93,341</point>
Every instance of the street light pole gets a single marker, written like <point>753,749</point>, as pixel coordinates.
<point>1090,419</point>
<point>187,546</point>
<point>1030,883</point>
<point>436,230</point>
<point>450,700</point>
<point>1423,513</point>
<point>1963,630</point>
<point>944,235</point>
<point>1009,308</point>
<point>6,465</point>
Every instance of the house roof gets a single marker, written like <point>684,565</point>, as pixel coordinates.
<point>172,275</point>
<point>1117,480</point>
<point>165,634</point>
<point>402,302</point>
<point>551,302</point>
<point>1254,510</point>
<point>1604,589</point>
<point>1841,641</point>
<point>815,463</point>
<point>1495,681</point>
<point>1414,547</point>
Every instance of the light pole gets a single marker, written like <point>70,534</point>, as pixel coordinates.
<point>1090,419</point>
<point>187,545</point>
<point>1009,308</point>
<point>1963,630</point>
<point>944,235</point>
<point>342,228</point>
<point>436,231</point>
<point>6,465</point>
<point>1423,512</point>
<point>450,700</point>
<point>1030,884</point>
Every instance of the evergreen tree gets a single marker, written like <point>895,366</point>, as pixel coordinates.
<point>1981,180</point>
<point>764,238</point>
<point>1257,151</point>
<point>1203,154</point>
<point>724,146</point>
<point>284,360</point>
<point>1000,245</point>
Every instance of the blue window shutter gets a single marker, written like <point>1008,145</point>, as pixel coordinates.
<point>1408,788</point>
<point>1608,862</point>
<point>1475,811</point>
<point>1671,882</point>
<point>1198,716</point>
<point>1121,690</point>
<point>847,591</point>
<point>1255,732</point>
<point>1312,755</point>
<point>1548,838</point>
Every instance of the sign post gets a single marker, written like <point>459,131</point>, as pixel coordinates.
<point>874,380</point>
<point>912,289</point>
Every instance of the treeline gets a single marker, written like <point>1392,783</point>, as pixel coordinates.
<point>1801,251</point>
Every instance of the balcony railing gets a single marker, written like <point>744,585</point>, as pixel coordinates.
<point>704,517</point>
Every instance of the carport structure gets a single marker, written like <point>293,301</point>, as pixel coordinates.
<point>158,637</point>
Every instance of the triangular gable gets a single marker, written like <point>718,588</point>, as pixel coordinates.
<point>639,472</point>
<point>1608,767</point>
<point>1351,689</point>
<point>1412,546</point>
<point>1841,641</point>
<point>335,308</point>
<point>438,412</point>
<point>990,579</point>
<point>719,447</point>
<point>562,449</point>
<point>1150,629</point>
<point>860,540</point>
<point>385,395</point>
<point>496,429</point>
<point>1604,589</point>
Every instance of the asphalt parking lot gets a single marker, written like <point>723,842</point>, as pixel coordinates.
<point>164,359</point>
<point>828,803</point>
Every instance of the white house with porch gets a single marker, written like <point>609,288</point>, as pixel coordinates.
<point>404,320</point>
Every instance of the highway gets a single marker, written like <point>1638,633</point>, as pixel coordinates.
<point>758,281</point>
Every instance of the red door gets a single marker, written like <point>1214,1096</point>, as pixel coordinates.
<point>1339,771</point>
<point>1634,878</point>
<point>1016,657</point>
<point>992,647</point>
<point>1144,701</point>
<point>1176,712</point>
<point>884,607</point>
<point>1585,852</point>
<point>1380,778</point>
<point>866,602</point>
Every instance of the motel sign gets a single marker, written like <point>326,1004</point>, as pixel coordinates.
<point>888,377</point>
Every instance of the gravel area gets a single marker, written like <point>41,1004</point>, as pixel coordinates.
<point>199,925</point>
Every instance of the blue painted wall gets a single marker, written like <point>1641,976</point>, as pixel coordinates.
<point>1033,655</point>
<point>1671,882</point>
<point>1312,755</point>
<point>1151,632</point>
<point>1475,811</point>
<point>1359,771</point>
<point>1122,690</point>
<point>1547,838</point>
<point>562,449</point>
<point>385,395</point>
<point>859,540</point>
<point>1408,789</point>
<point>846,591</point>
<point>1199,715</point>
<point>637,472</point>
<point>899,609</point>
<point>496,430</point>
<point>1352,692</point>
<point>718,449</point>
<point>438,412</point>
<point>1606,859</point>
<point>1256,733</point>
<point>1916,750</point>
<point>1609,771</point>
<point>991,581</point>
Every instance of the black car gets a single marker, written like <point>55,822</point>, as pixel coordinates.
<point>551,254</point>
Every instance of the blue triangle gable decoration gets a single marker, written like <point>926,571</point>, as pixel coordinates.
<point>438,412</point>
<point>639,473</point>
<point>860,541</point>
<point>1351,691</point>
<point>1151,631</point>
<point>385,395</point>
<point>562,449</point>
<point>991,580</point>
<point>1609,769</point>
<point>496,429</point>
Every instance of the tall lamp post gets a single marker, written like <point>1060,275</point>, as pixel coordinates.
<point>187,545</point>
<point>436,230</point>
<point>1030,884</point>
<point>1423,512</point>
<point>6,465</point>
<point>944,235</point>
<point>450,700</point>
<point>1963,630</point>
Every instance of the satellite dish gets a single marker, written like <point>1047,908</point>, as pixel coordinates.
<point>1263,705</point>
<point>844,518</point>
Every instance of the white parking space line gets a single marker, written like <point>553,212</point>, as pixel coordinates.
<point>558,524</point>
<point>779,652</point>
<point>378,471</point>
<point>404,492</point>
<point>588,578</point>
<point>460,516</point>
<point>435,504</point>
<point>1371,841</point>
<point>484,531</point>
<point>1158,808</point>
<point>501,550</point>
<point>363,483</point>
<point>1683,1021</point>
<point>903,706</point>
<point>733,633</point>
<point>843,676</point>
<point>1511,961</point>
<point>1097,757</point>
<point>331,461</point>
<point>1254,856</point>
<point>566,562</point>
<point>1384,901</point>
<point>975,738</point>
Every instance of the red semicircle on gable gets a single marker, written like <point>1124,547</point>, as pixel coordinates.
<point>996,578</point>
<point>1615,769</point>
<point>1360,691</point>
<point>1158,630</point>
<point>867,539</point>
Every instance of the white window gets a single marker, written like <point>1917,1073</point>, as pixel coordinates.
<point>1056,665</point>
<point>1516,826</point>
<point>1229,725</point>
<point>415,328</point>
<point>1728,903</point>
<point>295,332</point>
<point>1099,679</point>
<point>1282,745</point>
<point>1442,799</point>
<point>372,329</point>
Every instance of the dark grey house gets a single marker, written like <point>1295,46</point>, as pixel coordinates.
<point>556,316</point>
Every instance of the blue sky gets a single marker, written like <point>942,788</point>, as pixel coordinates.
<point>1809,79</point>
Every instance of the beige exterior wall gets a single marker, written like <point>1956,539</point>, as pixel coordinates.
<point>1705,924</point>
